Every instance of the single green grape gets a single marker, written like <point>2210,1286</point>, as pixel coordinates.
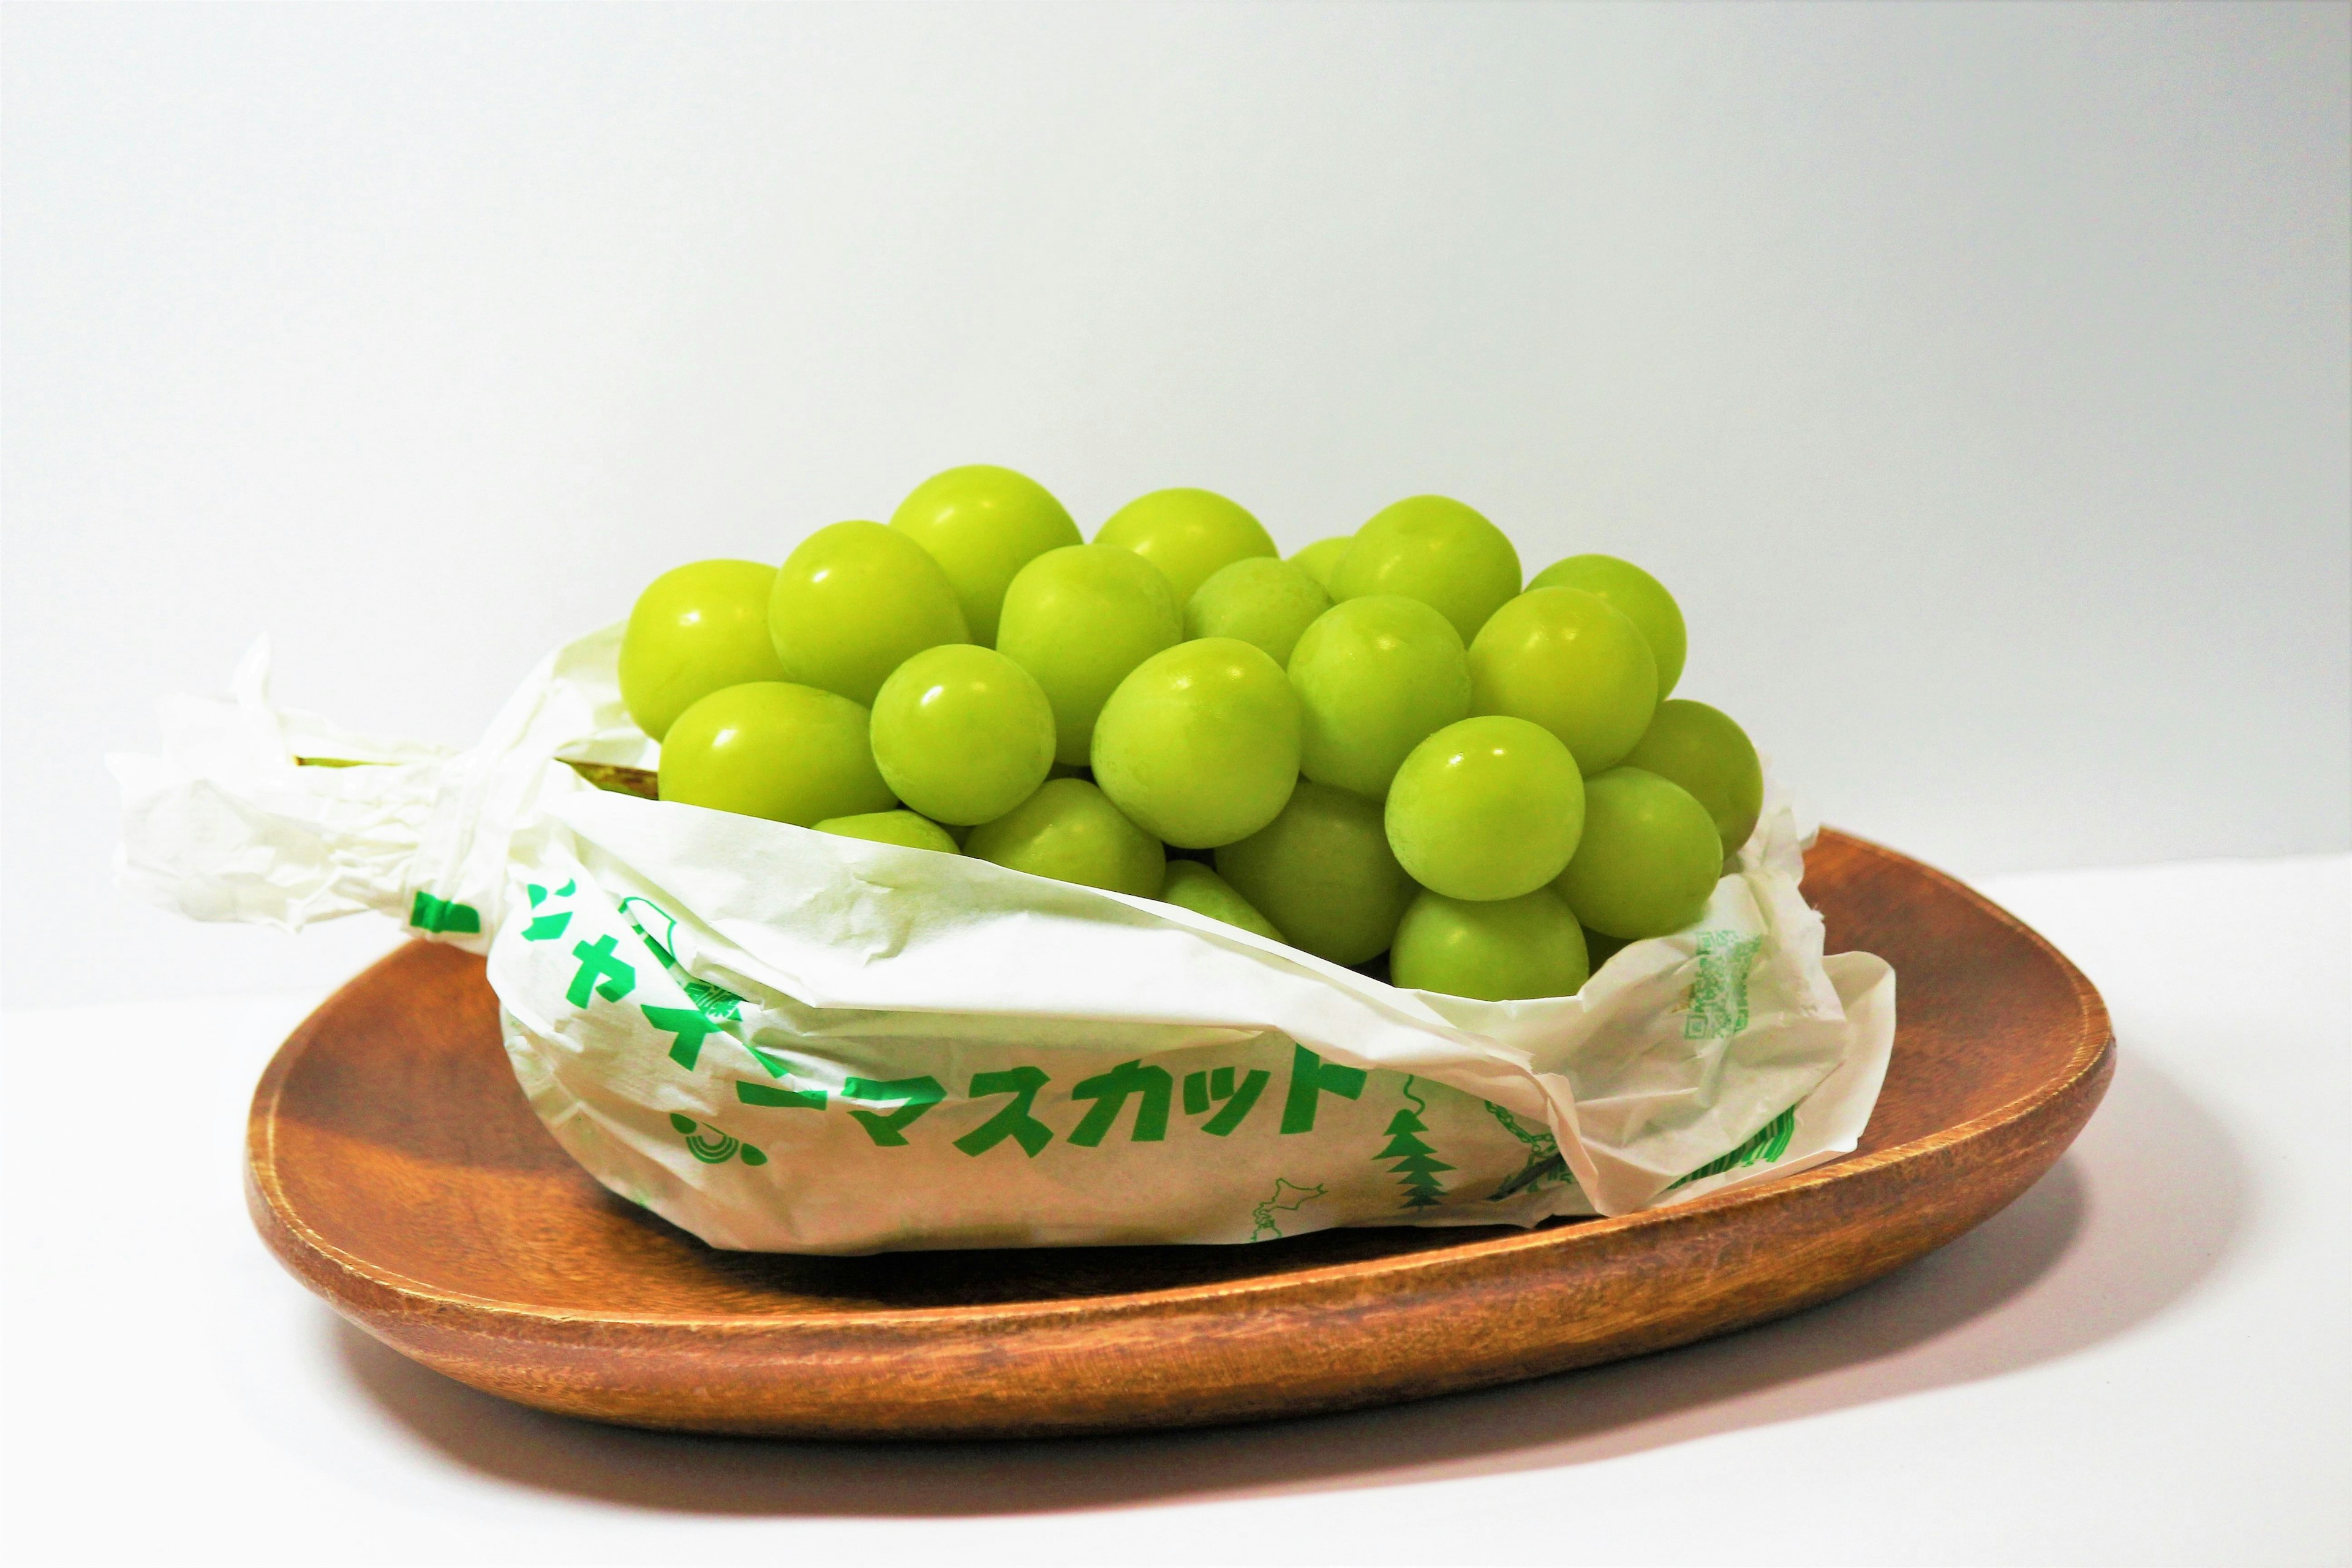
<point>962,734</point>
<point>696,629</point>
<point>1322,872</point>
<point>1498,949</point>
<point>1488,808</point>
<point>1194,886</point>
<point>1199,744</point>
<point>1700,748</point>
<point>855,602</point>
<point>1375,678</point>
<point>1079,619</point>
<point>900,827</point>
<point>1437,551</point>
<point>982,524</point>
<point>1187,534</point>
<point>1649,860</point>
<point>1266,603</point>
<point>1070,831</point>
<point>1641,598</point>
<point>1571,662</point>
<point>774,749</point>
<point>1321,559</point>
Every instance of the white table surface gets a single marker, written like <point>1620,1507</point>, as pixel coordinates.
<point>2144,1360</point>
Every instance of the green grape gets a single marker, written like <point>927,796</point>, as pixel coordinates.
<point>1500,949</point>
<point>1194,886</point>
<point>1434,550</point>
<point>900,827</point>
<point>962,734</point>
<point>1070,831</point>
<point>1323,873</point>
<point>1699,747</point>
<point>1375,677</point>
<point>1649,860</point>
<point>1321,559</point>
<point>695,629</point>
<point>1187,534</point>
<point>1199,744</point>
<point>1265,602</point>
<point>774,749</point>
<point>1078,619</point>
<point>853,603</point>
<point>1641,598</point>
<point>982,524</point>
<point>1488,808</point>
<point>1569,661</point>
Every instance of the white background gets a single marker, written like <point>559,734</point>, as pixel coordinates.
<point>1977,376</point>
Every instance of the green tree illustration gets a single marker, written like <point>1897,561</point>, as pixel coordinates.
<point>1416,1162</point>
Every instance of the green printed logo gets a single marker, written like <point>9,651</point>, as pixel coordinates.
<point>1014,1120</point>
<point>548,927</point>
<point>1771,1141</point>
<point>912,1096</point>
<point>429,913</point>
<point>903,1101</point>
<point>767,1094</point>
<point>600,972</point>
<point>1718,996</point>
<point>1544,1162</point>
<point>1287,1197</point>
<point>1203,1088</point>
<point>643,914</point>
<point>711,1146</point>
<point>1310,1077</point>
<point>1109,1091</point>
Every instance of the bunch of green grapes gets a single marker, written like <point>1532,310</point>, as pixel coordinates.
<point>1386,744</point>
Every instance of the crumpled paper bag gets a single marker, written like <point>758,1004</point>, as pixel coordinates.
<point>784,1040</point>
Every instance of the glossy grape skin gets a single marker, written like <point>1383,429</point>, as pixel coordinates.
<point>1500,949</point>
<point>1649,860</point>
<point>1435,550</point>
<point>1321,559</point>
<point>1079,619</point>
<point>853,602</point>
<point>982,524</point>
<point>901,827</point>
<point>774,749</point>
<point>1569,661</point>
<point>1701,749</point>
<point>1194,886</point>
<point>1639,597</point>
<point>1188,534</point>
<point>1199,742</point>
<point>1265,603</point>
<point>962,734</point>
<point>695,629</point>
<point>1375,677</point>
<point>1322,872</point>
<point>1070,831</point>
<point>1488,808</point>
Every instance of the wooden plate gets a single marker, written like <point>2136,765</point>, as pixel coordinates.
<point>395,1167</point>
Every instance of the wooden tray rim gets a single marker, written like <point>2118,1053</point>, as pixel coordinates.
<point>273,1210</point>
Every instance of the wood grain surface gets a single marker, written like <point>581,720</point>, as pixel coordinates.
<point>394,1166</point>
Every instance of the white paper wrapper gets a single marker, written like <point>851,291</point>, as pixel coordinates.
<point>784,1040</point>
